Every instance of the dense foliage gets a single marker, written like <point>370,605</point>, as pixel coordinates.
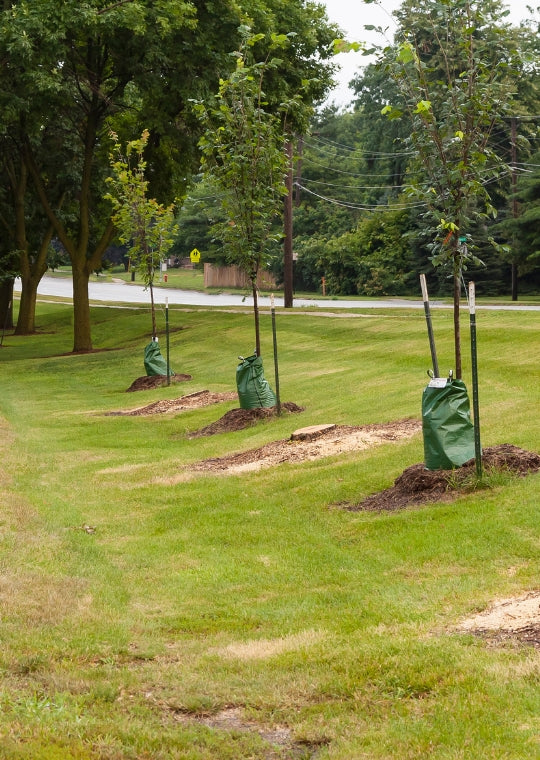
<point>368,192</point>
<point>73,70</point>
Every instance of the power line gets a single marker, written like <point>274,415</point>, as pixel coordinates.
<point>360,150</point>
<point>354,187</point>
<point>308,159</point>
<point>362,207</point>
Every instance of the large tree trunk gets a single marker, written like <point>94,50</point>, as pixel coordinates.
<point>6,304</point>
<point>82,334</point>
<point>26,321</point>
<point>31,273</point>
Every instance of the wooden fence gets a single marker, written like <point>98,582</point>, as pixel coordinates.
<point>235,277</point>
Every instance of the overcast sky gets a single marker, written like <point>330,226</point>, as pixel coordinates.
<point>353,15</point>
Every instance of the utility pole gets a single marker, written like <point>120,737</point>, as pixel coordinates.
<point>298,191</point>
<point>288,225</point>
<point>513,143</point>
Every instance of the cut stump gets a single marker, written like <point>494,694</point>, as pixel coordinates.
<point>311,432</point>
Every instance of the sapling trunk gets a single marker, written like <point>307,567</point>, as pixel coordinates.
<point>457,331</point>
<point>153,308</point>
<point>256,315</point>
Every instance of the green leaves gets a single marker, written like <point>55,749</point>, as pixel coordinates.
<point>344,46</point>
<point>243,155</point>
<point>406,54</point>
<point>144,224</point>
<point>392,112</point>
<point>423,106</point>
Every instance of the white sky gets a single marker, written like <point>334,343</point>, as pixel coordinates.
<point>353,15</point>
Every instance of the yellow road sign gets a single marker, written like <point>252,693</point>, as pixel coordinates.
<point>195,256</point>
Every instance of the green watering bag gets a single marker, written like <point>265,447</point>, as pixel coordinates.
<point>446,425</point>
<point>154,363</point>
<point>253,390</point>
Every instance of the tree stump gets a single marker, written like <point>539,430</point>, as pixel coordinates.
<point>311,433</point>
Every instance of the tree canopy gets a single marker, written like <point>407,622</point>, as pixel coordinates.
<point>74,70</point>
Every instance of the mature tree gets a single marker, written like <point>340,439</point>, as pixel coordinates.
<point>455,65</point>
<point>75,69</point>
<point>145,225</point>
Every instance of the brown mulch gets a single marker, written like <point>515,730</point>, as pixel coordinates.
<point>191,401</point>
<point>528,634</point>
<point>146,382</point>
<point>416,485</point>
<point>239,419</point>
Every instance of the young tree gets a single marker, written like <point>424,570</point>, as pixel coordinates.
<point>244,155</point>
<point>455,65</point>
<point>146,226</point>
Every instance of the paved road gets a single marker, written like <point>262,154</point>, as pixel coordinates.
<point>122,292</point>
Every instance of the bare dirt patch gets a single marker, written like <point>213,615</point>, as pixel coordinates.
<point>337,439</point>
<point>508,620</point>
<point>191,401</point>
<point>416,485</point>
<point>279,738</point>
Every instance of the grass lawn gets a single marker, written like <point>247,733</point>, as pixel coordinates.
<point>152,613</point>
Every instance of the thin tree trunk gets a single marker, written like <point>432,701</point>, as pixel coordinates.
<point>153,309</point>
<point>514,281</point>
<point>256,316</point>
<point>457,330</point>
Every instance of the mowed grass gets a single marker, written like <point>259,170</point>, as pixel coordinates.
<point>148,611</point>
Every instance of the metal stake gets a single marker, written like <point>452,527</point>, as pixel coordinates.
<point>477,445</point>
<point>429,325</point>
<point>167,336</point>
<point>276,370</point>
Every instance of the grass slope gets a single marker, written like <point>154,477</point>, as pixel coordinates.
<point>147,614</point>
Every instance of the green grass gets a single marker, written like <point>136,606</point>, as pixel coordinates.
<point>194,595</point>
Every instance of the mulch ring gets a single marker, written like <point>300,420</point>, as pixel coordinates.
<point>416,485</point>
<point>191,401</point>
<point>239,419</point>
<point>147,382</point>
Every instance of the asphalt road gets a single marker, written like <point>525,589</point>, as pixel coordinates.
<point>131,293</point>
